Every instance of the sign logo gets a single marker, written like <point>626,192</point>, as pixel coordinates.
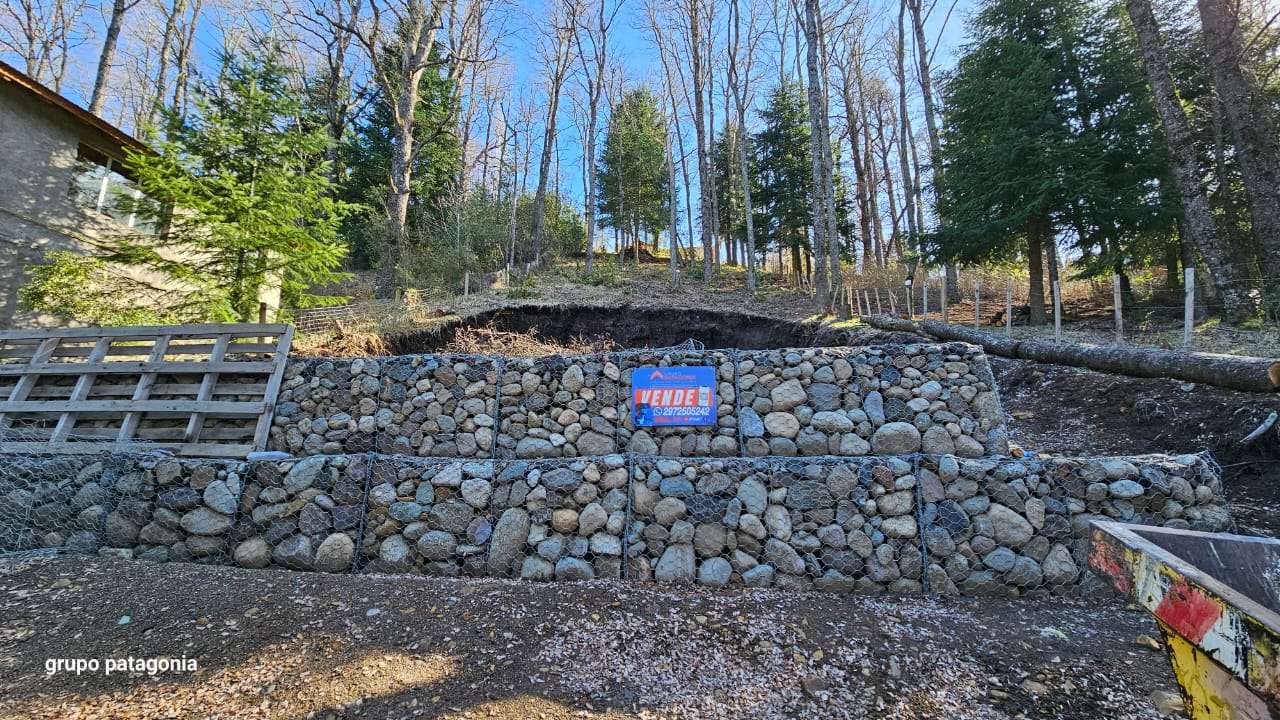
<point>673,396</point>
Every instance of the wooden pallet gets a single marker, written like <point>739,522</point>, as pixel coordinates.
<point>198,390</point>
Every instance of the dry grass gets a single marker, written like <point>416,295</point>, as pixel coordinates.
<point>489,340</point>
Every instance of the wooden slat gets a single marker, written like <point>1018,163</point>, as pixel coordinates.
<point>142,351</point>
<point>130,368</point>
<point>208,330</point>
<point>273,390</point>
<point>81,391</point>
<point>206,388</point>
<point>221,407</point>
<point>142,391</point>
<point>95,434</point>
<point>26,382</point>
<point>127,389</point>
<point>193,449</point>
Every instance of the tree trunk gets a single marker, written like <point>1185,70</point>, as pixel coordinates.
<point>1255,132</point>
<point>817,105</point>
<point>1198,224</point>
<point>1237,372</point>
<point>162,72</point>
<point>1035,268</point>
<point>99,97</point>
<point>561,63</point>
<point>904,133</point>
<point>700,122</point>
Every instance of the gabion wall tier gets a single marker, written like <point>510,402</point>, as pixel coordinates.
<point>426,405</point>
<point>934,524</point>
<point>887,400</point>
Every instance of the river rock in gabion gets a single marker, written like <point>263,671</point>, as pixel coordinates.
<point>420,519</point>
<point>836,526</point>
<point>292,511</point>
<point>565,519</point>
<point>689,441</point>
<point>874,400</point>
<point>426,405</point>
<point>57,502</point>
<point>1009,527</point>
<point>558,406</point>
<point>147,524</point>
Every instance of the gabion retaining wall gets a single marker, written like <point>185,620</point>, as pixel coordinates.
<point>856,401</point>
<point>908,524</point>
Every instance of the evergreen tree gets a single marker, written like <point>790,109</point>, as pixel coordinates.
<point>1049,131</point>
<point>784,172</point>
<point>633,183</point>
<point>243,201</point>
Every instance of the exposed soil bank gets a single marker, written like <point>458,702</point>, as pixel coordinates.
<point>628,327</point>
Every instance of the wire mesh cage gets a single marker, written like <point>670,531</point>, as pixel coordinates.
<point>575,512</point>
<point>822,524</point>
<point>427,517</point>
<point>559,406</point>
<point>301,514</point>
<point>426,405</point>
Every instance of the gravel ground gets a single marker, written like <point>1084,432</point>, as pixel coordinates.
<point>293,645</point>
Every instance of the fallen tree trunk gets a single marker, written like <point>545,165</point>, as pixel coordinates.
<point>1229,371</point>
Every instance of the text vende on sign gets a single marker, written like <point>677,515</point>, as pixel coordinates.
<point>673,396</point>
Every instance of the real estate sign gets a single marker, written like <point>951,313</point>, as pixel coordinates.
<point>673,396</point>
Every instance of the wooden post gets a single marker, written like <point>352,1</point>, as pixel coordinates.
<point>879,307</point>
<point>867,295</point>
<point>1188,305</point>
<point>1008,307</point>
<point>924,297</point>
<point>1057,311</point>
<point>893,306</point>
<point>466,282</point>
<point>911,310</point>
<point>1119,311</point>
<point>944,297</point>
<point>977,302</point>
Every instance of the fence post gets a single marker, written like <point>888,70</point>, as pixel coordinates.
<point>879,307</point>
<point>924,298</point>
<point>893,306</point>
<point>944,295</point>
<point>466,283</point>
<point>1188,305</point>
<point>1119,312</point>
<point>910,304</point>
<point>1008,307</point>
<point>1057,311</point>
<point>977,302</point>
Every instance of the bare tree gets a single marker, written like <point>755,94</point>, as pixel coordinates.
<point>819,137</point>
<point>43,33</point>
<point>557,56</point>
<point>741,62</point>
<point>398,37</point>
<point>591,36</point>
<point>1198,225</point>
<point>1253,128</point>
<point>114,25</point>
<point>908,180</point>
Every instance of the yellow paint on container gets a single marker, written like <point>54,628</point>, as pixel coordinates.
<point>1210,692</point>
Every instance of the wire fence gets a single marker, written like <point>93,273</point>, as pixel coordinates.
<point>1146,310</point>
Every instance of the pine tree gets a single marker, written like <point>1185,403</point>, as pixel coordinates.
<point>243,202</point>
<point>634,186</point>
<point>785,173</point>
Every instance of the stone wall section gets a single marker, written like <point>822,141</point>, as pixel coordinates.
<point>890,400</point>
<point>425,405</point>
<point>559,407</point>
<point>937,524</point>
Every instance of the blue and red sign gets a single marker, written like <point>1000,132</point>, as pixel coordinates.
<point>673,396</point>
